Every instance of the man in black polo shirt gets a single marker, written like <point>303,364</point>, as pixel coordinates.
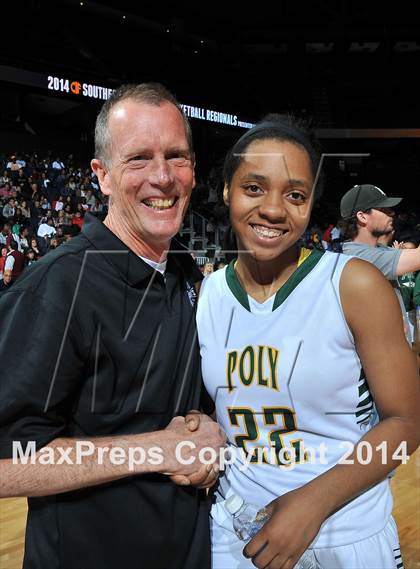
<point>106,327</point>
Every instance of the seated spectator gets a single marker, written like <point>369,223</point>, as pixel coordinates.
<point>208,269</point>
<point>34,246</point>
<point>59,204</point>
<point>6,281</point>
<point>9,209</point>
<point>13,167</point>
<point>30,257</point>
<point>15,261</point>
<point>69,204</point>
<point>46,228</point>
<point>26,212</point>
<point>98,207</point>
<point>3,254</point>
<point>59,233</point>
<point>71,184</point>
<point>58,164</point>
<point>23,239</point>
<point>44,183</point>
<point>19,218</point>
<point>45,204</point>
<point>78,219</point>
<point>6,191</point>
<point>5,179</point>
<point>35,194</point>
<point>68,215</point>
<point>6,234</point>
<point>53,244</point>
<point>90,199</point>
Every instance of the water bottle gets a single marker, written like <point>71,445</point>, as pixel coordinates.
<point>248,519</point>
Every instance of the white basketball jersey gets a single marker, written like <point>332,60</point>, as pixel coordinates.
<point>287,382</point>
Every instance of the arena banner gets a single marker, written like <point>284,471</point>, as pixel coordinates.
<point>76,87</point>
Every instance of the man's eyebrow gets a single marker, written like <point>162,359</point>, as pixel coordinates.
<point>179,150</point>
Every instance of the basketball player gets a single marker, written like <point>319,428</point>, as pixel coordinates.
<point>296,345</point>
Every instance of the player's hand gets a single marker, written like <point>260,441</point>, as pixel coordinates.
<point>294,524</point>
<point>186,467</point>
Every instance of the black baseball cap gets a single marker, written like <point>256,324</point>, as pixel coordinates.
<point>364,197</point>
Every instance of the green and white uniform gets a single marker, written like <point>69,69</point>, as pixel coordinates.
<point>285,375</point>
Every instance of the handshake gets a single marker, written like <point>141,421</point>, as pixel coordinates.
<point>191,448</point>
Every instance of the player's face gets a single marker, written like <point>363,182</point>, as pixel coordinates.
<point>151,174</point>
<point>380,221</point>
<point>270,198</point>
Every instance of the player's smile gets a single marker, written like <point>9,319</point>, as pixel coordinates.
<point>268,233</point>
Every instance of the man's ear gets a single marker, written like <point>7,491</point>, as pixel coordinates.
<point>361,217</point>
<point>226,195</point>
<point>102,175</point>
<point>193,167</point>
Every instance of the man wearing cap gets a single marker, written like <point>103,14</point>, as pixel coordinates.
<point>367,215</point>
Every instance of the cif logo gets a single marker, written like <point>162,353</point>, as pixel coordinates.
<point>75,87</point>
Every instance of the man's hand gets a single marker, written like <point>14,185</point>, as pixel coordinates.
<point>199,431</point>
<point>294,523</point>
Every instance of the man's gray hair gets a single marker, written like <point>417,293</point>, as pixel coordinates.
<point>149,93</point>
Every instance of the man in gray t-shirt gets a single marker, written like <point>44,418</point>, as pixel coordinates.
<point>367,214</point>
<point>384,258</point>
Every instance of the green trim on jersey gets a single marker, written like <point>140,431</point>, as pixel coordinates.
<point>289,286</point>
<point>235,286</point>
<point>295,278</point>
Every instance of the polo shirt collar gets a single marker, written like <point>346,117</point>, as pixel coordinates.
<point>131,267</point>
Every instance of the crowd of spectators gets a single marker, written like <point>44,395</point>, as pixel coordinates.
<point>44,199</point>
<point>43,202</point>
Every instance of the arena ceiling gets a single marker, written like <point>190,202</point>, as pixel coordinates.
<point>350,63</point>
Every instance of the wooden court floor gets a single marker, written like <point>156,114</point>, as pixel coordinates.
<point>405,487</point>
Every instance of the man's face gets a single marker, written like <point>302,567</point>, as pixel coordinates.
<point>151,171</point>
<point>380,221</point>
<point>7,277</point>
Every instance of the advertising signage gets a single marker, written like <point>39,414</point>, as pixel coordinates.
<point>76,87</point>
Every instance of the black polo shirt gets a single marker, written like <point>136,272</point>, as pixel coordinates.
<point>94,342</point>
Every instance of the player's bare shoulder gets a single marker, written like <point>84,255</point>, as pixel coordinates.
<point>363,291</point>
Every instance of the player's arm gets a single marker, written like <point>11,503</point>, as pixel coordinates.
<point>373,314</point>
<point>409,261</point>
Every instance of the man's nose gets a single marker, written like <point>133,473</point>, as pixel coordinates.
<point>161,174</point>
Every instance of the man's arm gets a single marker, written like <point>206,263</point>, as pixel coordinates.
<point>71,464</point>
<point>409,261</point>
<point>26,418</point>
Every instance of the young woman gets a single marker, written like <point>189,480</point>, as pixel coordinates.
<point>296,346</point>
<point>35,248</point>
